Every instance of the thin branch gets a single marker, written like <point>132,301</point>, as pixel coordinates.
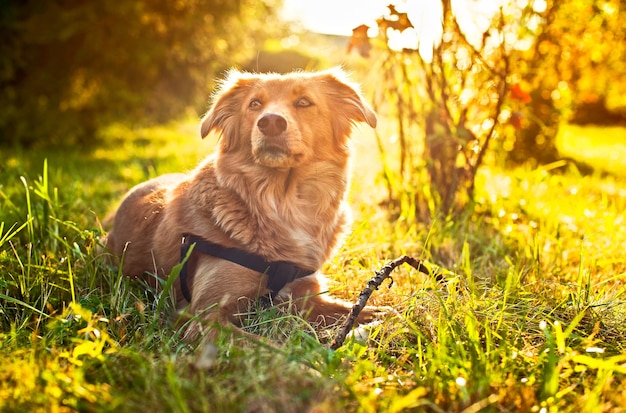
<point>372,285</point>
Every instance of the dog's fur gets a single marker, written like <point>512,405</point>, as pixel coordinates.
<point>275,187</point>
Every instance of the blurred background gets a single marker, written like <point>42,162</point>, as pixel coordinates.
<point>458,82</point>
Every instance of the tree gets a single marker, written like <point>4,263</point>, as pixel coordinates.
<point>454,97</point>
<point>68,67</point>
<point>503,81</point>
<point>577,57</point>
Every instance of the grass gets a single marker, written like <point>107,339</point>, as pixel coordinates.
<point>531,318</point>
<point>601,147</point>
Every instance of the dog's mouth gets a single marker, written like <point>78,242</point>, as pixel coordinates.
<point>276,154</point>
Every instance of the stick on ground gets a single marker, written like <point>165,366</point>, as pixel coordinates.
<point>373,284</point>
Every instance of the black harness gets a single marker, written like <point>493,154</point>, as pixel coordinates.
<point>279,273</point>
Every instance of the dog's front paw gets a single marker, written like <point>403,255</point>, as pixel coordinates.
<point>371,313</point>
<point>362,333</point>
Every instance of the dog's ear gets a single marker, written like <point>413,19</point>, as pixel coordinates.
<point>222,117</point>
<point>348,98</point>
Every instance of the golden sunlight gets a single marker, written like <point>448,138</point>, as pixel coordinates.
<point>340,17</point>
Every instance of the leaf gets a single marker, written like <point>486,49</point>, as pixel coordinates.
<point>23,304</point>
<point>518,94</point>
<point>360,41</point>
<point>516,120</point>
<point>410,400</point>
<point>615,363</point>
<point>396,21</point>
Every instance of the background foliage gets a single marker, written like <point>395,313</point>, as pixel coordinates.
<point>498,86</point>
<point>68,68</point>
<point>572,70</point>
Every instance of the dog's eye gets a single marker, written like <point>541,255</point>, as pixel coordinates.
<point>304,103</point>
<point>255,104</point>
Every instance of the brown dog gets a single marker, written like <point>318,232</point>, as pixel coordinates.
<point>274,193</point>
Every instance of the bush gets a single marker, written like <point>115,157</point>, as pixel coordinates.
<point>69,67</point>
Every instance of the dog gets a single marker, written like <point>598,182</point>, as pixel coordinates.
<point>274,193</point>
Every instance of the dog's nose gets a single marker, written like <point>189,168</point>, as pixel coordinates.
<point>272,124</point>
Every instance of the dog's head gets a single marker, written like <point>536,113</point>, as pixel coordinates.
<point>283,121</point>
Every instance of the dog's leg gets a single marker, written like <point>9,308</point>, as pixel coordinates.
<point>214,322</point>
<point>217,292</point>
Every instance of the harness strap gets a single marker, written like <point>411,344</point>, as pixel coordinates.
<point>279,273</point>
